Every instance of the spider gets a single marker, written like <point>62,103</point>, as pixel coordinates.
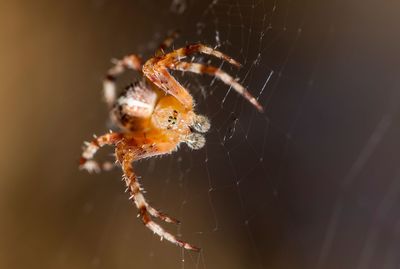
<point>155,116</point>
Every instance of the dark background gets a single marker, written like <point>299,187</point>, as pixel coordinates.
<point>312,183</point>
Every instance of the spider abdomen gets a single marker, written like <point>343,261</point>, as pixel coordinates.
<point>133,105</point>
<point>138,100</point>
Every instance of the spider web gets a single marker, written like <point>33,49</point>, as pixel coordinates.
<point>234,184</point>
<point>246,151</point>
<point>313,182</point>
<point>273,190</point>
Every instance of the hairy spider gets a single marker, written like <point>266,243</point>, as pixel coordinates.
<point>155,116</point>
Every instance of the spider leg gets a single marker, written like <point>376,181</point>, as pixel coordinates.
<point>167,42</point>
<point>86,161</point>
<point>156,70</point>
<point>223,76</point>
<point>126,157</point>
<point>197,48</point>
<point>162,216</point>
<point>109,88</point>
<point>160,76</point>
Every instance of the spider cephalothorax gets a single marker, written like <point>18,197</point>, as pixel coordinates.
<point>155,116</point>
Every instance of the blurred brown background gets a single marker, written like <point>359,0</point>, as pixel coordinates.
<point>312,183</point>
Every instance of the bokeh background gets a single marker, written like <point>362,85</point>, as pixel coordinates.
<point>312,183</point>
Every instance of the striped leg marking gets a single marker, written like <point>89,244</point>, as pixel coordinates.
<point>144,210</point>
<point>160,76</point>
<point>86,161</point>
<point>167,42</point>
<point>218,73</point>
<point>198,48</point>
<point>156,70</point>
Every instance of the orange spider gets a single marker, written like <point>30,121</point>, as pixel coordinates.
<point>155,116</point>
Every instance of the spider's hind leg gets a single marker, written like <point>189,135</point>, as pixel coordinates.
<point>126,156</point>
<point>133,62</point>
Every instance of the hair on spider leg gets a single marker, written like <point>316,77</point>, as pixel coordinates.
<point>167,42</point>
<point>195,141</point>
<point>201,123</point>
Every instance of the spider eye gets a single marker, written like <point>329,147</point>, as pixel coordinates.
<point>166,118</point>
<point>173,119</point>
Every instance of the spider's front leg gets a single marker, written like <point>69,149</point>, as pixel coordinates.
<point>218,73</point>
<point>86,161</point>
<point>156,69</point>
<point>126,155</point>
<point>181,53</point>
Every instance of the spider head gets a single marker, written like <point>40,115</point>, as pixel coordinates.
<point>171,116</point>
<point>167,118</point>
